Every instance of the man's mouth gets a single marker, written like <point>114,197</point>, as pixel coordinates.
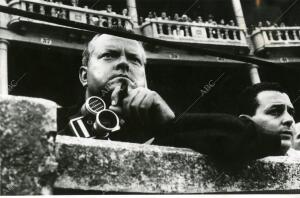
<point>120,76</point>
<point>286,135</point>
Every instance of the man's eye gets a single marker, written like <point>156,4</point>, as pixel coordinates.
<point>108,55</point>
<point>275,112</point>
<point>136,60</point>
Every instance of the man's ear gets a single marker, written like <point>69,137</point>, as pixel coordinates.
<point>245,116</point>
<point>83,75</point>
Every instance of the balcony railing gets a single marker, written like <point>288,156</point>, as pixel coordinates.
<point>272,37</point>
<point>195,32</point>
<point>72,13</point>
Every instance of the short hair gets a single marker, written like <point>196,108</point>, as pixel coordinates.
<point>90,46</point>
<point>247,100</point>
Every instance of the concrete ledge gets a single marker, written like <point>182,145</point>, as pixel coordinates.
<point>25,151</point>
<point>100,165</point>
<point>32,163</point>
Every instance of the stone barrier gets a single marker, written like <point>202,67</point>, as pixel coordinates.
<point>25,156</point>
<point>35,161</point>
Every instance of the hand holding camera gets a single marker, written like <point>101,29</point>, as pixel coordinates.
<point>96,121</point>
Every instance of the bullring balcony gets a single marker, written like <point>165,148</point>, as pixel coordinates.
<point>208,35</point>
<point>271,39</point>
<point>67,12</point>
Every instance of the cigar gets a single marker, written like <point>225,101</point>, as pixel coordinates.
<point>123,91</point>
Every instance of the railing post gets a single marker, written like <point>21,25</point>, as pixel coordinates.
<point>279,35</point>
<point>3,67</point>
<point>160,29</point>
<point>294,34</point>
<point>234,35</point>
<point>186,29</point>
<point>90,18</point>
<point>100,21</point>
<point>154,29</point>
<point>226,34</point>
<point>169,30</point>
<point>178,30</point>
<point>23,6</point>
<point>42,10</point>
<point>270,35</point>
<point>53,12</point>
<point>109,21</point>
<point>266,39</point>
<point>30,7</point>
<point>219,33</point>
<point>120,22</point>
<point>210,35</point>
<point>286,32</point>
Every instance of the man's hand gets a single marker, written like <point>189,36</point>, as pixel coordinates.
<point>142,106</point>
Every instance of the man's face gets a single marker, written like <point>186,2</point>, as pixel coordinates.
<point>275,113</point>
<point>113,60</point>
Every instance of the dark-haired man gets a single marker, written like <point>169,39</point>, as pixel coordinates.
<point>269,106</point>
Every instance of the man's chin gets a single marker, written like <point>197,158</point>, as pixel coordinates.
<point>286,144</point>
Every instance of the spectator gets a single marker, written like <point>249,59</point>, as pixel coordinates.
<point>269,106</point>
<point>268,24</point>
<point>211,20</point>
<point>74,3</point>
<point>125,12</point>
<point>199,19</point>
<point>163,16</point>
<point>141,20</point>
<point>184,18</point>
<point>231,23</point>
<point>222,22</point>
<point>176,17</point>
<point>282,24</point>
<point>150,15</point>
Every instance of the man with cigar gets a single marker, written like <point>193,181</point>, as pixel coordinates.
<point>113,68</point>
<point>110,63</point>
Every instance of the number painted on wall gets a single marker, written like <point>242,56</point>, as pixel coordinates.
<point>46,41</point>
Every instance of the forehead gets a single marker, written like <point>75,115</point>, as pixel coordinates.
<point>268,98</point>
<point>104,42</point>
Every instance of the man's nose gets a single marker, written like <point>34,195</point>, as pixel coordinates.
<point>288,120</point>
<point>122,63</point>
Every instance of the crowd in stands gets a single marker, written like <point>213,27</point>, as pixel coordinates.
<point>266,23</point>
<point>176,17</point>
<point>108,8</point>
<point>163,16</point>
<point>185,18</point>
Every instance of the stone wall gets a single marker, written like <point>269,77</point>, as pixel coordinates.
<point>33,161</point>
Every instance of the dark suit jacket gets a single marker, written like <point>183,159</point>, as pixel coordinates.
<point>221,136</point>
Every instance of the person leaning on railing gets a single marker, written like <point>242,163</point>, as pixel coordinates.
<point>269,106</point>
